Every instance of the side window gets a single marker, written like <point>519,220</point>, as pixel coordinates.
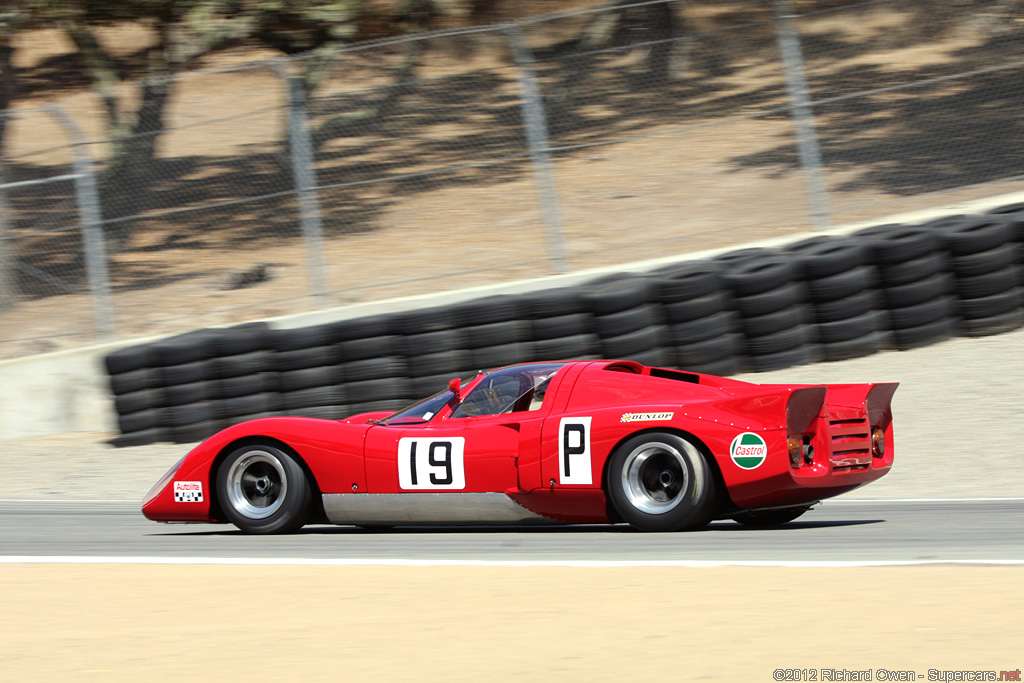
<point>508,390</point>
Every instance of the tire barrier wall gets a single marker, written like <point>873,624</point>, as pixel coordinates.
<point>824,298</point>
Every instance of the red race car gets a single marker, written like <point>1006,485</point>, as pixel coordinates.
<point>565,442</point>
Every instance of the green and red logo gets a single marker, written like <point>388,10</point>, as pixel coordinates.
<point>748,450</point>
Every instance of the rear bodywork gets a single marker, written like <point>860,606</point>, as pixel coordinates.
<point>769,446</point>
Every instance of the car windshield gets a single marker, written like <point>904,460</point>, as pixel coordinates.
<point>512,389</point>
<point>420,412</point>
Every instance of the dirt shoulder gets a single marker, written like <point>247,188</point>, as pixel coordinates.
<point>110,622</point>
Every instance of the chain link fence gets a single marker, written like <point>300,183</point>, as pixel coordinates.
<point>471,156</point>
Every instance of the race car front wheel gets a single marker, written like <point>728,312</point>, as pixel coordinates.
<point>661,482</point>
<point>263,490</point>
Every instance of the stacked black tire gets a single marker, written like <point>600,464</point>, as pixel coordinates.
<point>842,296</point>
<point>769,296</point>
<point>703,329</point>
<point>189,386</point>
<point>913,281</point>
<point>889,286</point>
<point>983,258</point>
<point>559,325</point>
<point>628,322</point>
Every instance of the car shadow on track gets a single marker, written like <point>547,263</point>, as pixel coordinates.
<point>721,526</point>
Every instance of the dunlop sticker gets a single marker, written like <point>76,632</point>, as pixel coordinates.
<point>645,417</point>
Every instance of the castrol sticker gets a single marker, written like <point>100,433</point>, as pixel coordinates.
<point>748,451</point>
<point>188,492</point>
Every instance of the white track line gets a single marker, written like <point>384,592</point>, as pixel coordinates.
<point>371,562</point>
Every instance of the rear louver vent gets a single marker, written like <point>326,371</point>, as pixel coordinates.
<point>851,443</point>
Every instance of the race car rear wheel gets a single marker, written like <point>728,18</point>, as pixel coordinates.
<point>768,518</point>
<point>263,490</point>
<point>661,482</point>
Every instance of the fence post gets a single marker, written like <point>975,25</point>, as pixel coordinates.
<point>803,117</point>
<point>91,218</point>
<point>301,146</point>
<point>540,149</point>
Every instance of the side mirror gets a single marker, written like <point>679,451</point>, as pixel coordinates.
<point>454,386</point>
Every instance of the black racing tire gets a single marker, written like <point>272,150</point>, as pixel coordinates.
<point>197,431</point>
<point>293,380</point>
<point>129,359</point>
<point>659,357</point>
<point>369,347</point>
<point>857,347</point>
<point>486,311</point>
<point>988,306</point>
<point>628,321</point>
<point>498,356</point>
<point>921,314</point>
<point>845,308</point>
<point>373,368</point>
<point>565,348</point>
<point>923,335</point>
<point>971,234</point>
<point>987,284</point>
<point>551,303</point>
<point>143,437</point>
<point>771,301</point>
<point>263,490</point>
<point>618,295</point>
<point>984,261</point>
<point>561,326</point>
<point>185,348</point>
<point>187,373</point>
<point>628,345</point>
<point>801,355</point>
<point>822,256</point>
<point>851,328</point>
<point>432,342</point>
<point>699,307</point>
<point>314,396</point>
<point>918,292</point>
<point>142,420</point>
<point>903,244</point>
<point>778,342</point>
<point>388,388</point>
<point>193,392</point>
<point>996,324</point>
<point>265,402</point>
<point>422,321</point>
<point>702,329</point>
<point>756,276</point>
<point>334,412</point>
<point>144,399</point>
<point>436,363</point>
<point>143,378</point>
<point>495,334</point>
<point>657,481</point>
<point>758,326</point>
<point>682,281</point>
<point>246,385</point>
<point>251,363</point>
<point>243,338</point>
<point>895,274</point>
<point>709,351</point>
<point>295,338</point>
<point>721,368</point>
<point>768,518</point>
<point>842,285</point>
<point>361,328</point>
<point>192,413</point>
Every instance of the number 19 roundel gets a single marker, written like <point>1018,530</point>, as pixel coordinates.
<point>574,465</point>
<point>425,463</point>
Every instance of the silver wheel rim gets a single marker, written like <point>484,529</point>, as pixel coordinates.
<point>257,485</point>
<point>655,477</point>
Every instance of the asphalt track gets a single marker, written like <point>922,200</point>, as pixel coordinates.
<point>841,531</point>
